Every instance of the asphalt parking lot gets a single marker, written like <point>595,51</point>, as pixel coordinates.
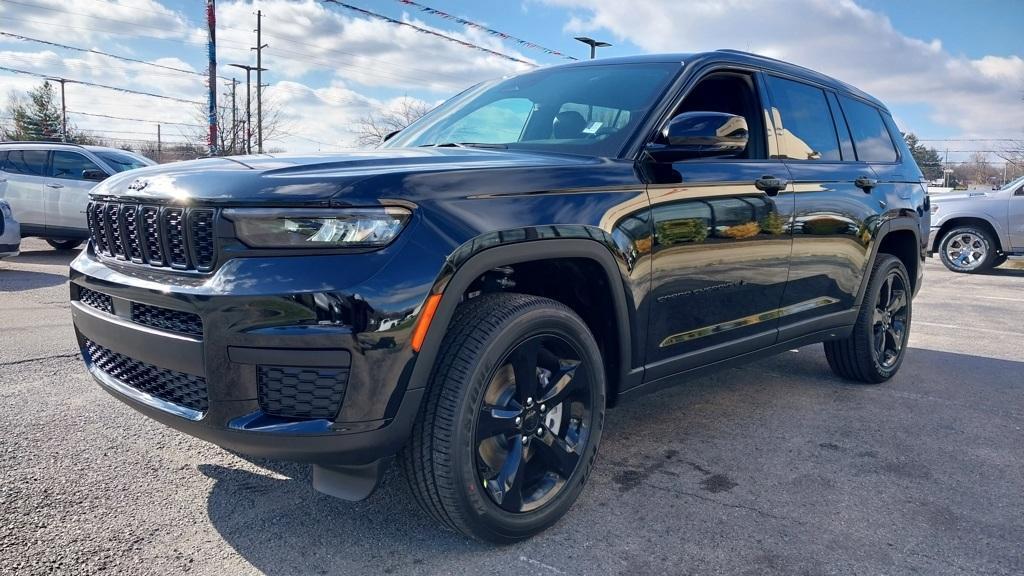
<point>771,468</point>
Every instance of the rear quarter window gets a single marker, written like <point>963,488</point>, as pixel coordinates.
<point>870,136</point>
<point>28,162</point>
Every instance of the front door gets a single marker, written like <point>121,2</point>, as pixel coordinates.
<point>1016,221</point>
<point>721,241</point>
<point>66,214</point>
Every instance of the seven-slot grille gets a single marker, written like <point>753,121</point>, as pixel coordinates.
<point>181,238</point>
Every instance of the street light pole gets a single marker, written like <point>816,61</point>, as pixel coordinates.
<point>594,45</point>
<point>248,103</point>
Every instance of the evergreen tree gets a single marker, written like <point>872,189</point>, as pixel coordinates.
<point>928,159</point>
<point>37,116</point>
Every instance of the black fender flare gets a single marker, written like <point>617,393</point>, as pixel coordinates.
<point>887,227</point>
<point>454,281</point>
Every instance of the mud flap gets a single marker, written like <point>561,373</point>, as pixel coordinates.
<point>348,482</point>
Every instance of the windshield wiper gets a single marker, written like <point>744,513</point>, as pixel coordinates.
<point>466,145</point>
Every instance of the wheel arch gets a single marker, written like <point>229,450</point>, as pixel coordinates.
<point>462,269</point>
<point>900,237</point>
<point>957,221</point>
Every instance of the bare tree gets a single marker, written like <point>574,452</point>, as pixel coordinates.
<point>372,128</point>
<point>234,138</point>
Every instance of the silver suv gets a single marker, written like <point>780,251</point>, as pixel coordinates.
<point>47,185</point>
<point>976,230</point>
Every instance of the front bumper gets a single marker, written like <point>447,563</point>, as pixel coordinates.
<point>335,313</point>
<point>933,237</point>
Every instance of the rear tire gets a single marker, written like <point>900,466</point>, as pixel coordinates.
<point>968,249</point>
<point>64,244</point>
<point>488,457</point>
<point>875,349</point>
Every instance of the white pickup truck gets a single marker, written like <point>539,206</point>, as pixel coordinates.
<point>976,230</point>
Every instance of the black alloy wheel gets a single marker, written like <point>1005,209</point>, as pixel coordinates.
<point>890,320</point>
<point>534,424</point>
<point>876,346</point>
<point>511,418</point>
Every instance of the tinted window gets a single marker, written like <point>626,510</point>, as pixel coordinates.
<point>803,122</point>
<point>70,165</point>
<point>30,162</point>
<point>870,137</point>
<point>120,160</point>
<point>845,143</point>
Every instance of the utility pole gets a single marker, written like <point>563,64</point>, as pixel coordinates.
<point>248,104</point>
<point>234,117</point>
<point>259,80</point>
<point>63,111</point>
<point>159,152</point>
<point>211,23</point>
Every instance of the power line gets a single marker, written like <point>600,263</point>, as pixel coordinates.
<point>136,119</point>
<point>107,54</point>
<point>84,83</point>
<point>490,31</point>
<point>426,31</point>
<point>62,11</point>
<point>967,140</point>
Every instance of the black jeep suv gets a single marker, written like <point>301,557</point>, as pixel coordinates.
<point>474,294</point>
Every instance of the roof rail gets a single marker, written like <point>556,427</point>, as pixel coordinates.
<point>40,142</point>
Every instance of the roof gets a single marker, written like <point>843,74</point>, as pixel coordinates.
<point>738,57</point>
<point>48,144</point>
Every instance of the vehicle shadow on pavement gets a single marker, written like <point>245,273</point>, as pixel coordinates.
<point>22,280</point>
<point>790,462</point>
<point>45,256</point>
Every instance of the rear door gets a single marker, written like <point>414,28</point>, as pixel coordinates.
<point>831,216</point>
<point>66,214</point>
<point>25,171</point>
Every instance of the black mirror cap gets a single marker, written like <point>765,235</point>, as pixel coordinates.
<point>704,134</point>
<point>94,175</point>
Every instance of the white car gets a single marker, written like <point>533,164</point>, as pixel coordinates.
<point>47,185</point>
<point>10,232</point>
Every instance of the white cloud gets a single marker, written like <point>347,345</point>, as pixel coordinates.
<point>92,20</point>
<point>309,36</point>
<point>838,37</point>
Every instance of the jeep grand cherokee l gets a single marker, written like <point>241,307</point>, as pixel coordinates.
<point>474,294</point>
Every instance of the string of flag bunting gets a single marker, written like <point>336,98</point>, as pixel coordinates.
<point>491,31</point>
<point>371,14</point>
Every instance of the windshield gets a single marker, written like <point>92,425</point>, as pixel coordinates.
<point>589,110</point>
<point>120,160</point>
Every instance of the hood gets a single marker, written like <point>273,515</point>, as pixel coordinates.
<point>316,179</point>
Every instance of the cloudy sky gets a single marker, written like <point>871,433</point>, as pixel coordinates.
<point>948,69</point>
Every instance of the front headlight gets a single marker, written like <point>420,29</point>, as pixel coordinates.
<point>318,228</point>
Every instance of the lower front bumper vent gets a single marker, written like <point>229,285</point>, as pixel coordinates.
<point>300,392</point>
<point>168,385</point>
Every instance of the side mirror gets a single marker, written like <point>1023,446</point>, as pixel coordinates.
<point>94,175</point>
<point>705,134</point>
<point>389,136</point>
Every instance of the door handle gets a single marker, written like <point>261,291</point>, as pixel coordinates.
<point>770,185</point>
<point>865,183</point>
<point>50,185</point>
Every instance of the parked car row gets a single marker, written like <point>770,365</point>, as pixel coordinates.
<point>47,185</point>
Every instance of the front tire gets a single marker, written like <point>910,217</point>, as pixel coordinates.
<point>512,418</point>
<point>874,352</point>
<point>64,244</point>
<point>968,249</point>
